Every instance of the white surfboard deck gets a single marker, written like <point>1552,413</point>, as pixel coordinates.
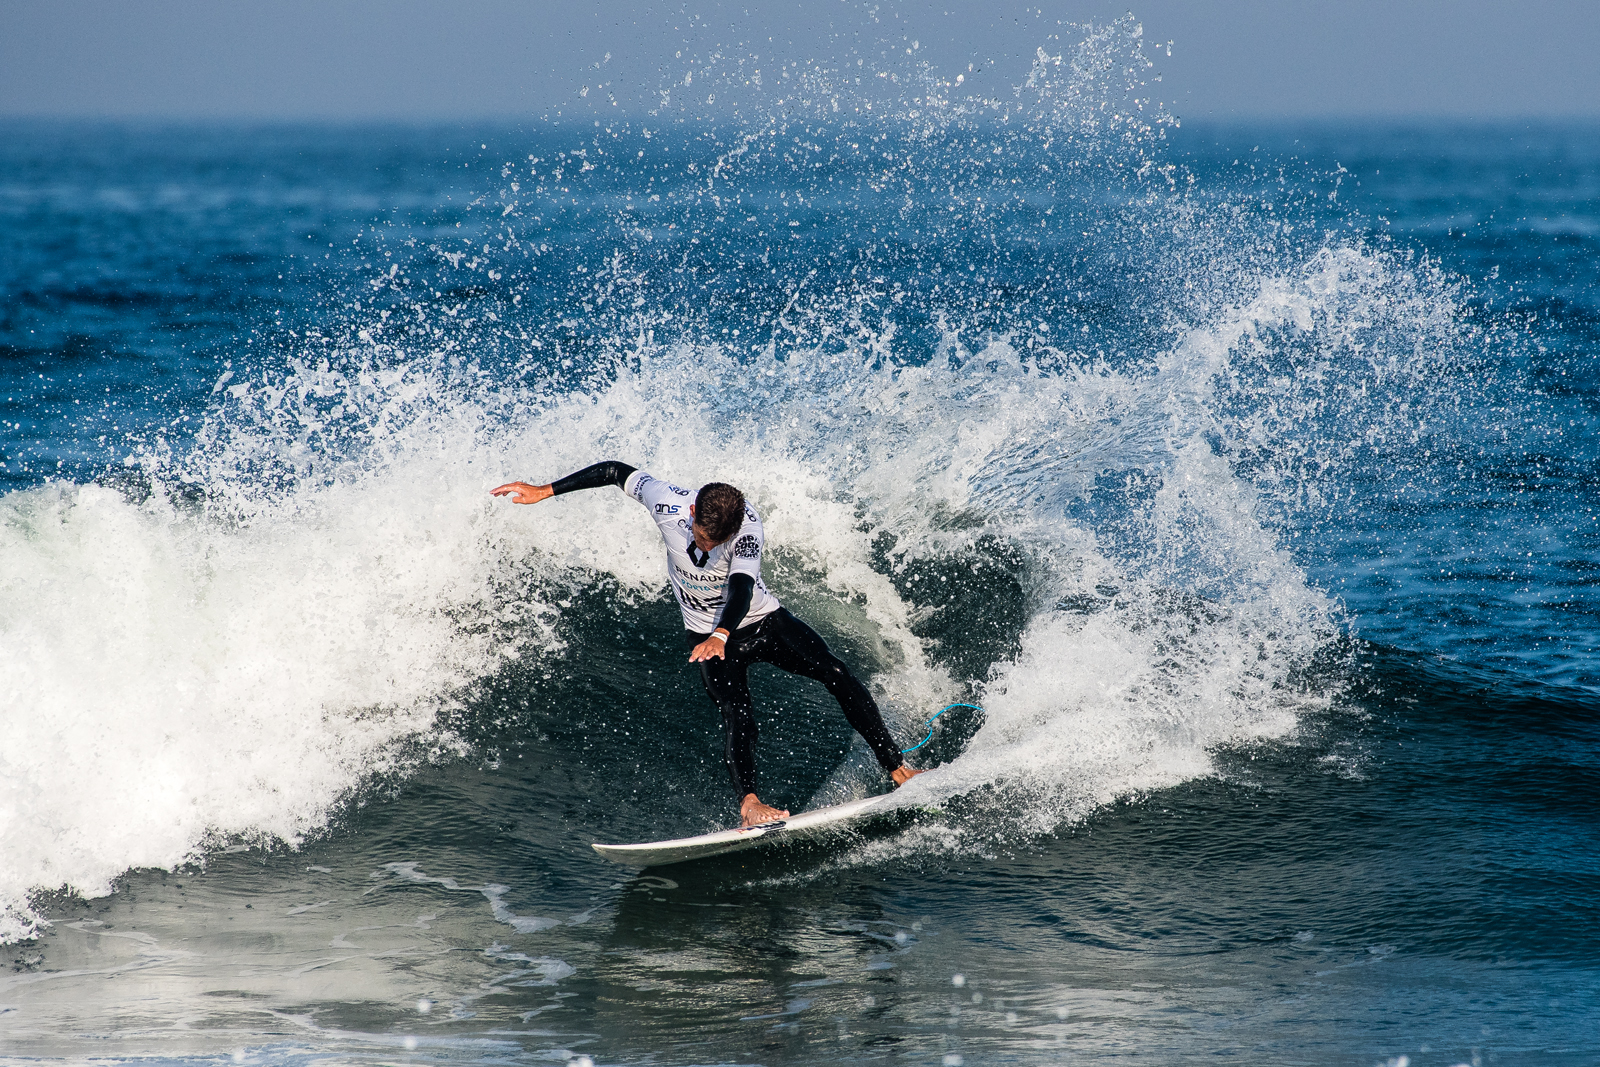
<point>661,853</point>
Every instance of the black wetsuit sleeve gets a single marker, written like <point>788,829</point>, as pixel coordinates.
<point>741,587</point>
<point>608,473</point>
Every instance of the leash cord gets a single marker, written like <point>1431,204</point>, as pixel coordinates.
<point>941,711</point>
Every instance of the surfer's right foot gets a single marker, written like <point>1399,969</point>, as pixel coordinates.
<point>903,774</point>
<point>754,813</point>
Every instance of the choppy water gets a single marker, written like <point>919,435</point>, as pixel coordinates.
<point>1245,476</point>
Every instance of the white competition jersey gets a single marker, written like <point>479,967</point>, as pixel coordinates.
<point>700,580</point>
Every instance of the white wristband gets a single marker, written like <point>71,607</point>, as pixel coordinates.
<point>720,637</point>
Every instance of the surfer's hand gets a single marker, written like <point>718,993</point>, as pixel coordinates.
<point>523,493</point>
<point>753,813</point>
<point>714,646</point>
<point>903,774</point>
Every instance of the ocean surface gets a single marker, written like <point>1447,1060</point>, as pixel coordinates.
<point>1244,475</point>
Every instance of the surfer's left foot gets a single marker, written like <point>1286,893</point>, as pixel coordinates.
<point>754,813</point>
<point>903,774</point>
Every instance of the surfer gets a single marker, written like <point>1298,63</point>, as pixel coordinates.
<point>731,619</point>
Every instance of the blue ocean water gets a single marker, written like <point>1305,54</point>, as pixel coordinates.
<point>1245,475</point>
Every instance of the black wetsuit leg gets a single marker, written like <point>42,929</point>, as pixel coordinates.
<point>797,648</point>
<point>789,645</point>
<point>727,683</point>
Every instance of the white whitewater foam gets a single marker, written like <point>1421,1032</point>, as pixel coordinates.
<point>171,677</point>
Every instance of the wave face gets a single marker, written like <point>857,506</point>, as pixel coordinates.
<point>1034,414</point>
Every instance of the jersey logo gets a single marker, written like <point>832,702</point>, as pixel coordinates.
<point>666,509</point>
<point>680,492</point>
<point>699,603</point>
<point>747,547</point>
<point>700,560</point>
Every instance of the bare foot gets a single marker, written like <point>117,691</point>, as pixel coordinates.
<point>903,774</point>
<point>754,813</point>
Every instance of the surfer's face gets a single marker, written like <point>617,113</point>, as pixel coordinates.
<point>702,540</point>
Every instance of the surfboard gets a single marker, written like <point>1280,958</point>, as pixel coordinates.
<point>719,842</point>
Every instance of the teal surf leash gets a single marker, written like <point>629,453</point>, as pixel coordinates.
<point>936,714</point>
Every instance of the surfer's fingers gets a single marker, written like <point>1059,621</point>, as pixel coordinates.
<point>522,492</point>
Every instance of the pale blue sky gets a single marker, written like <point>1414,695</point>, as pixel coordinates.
<point>428,60</point>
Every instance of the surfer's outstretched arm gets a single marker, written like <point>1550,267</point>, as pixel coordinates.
<point>610,472</point>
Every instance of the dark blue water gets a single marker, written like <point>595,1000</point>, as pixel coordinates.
<point>1245,476</point>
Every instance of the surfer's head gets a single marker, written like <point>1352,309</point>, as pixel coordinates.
<point>718,513</point>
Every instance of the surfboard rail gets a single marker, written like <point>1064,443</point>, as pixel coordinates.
<point>738,838</point>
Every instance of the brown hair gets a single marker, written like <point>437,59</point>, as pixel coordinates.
<point>719,510</point>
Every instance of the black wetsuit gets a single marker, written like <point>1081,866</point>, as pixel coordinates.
<point>789,645</point>
<point>776,637</point>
